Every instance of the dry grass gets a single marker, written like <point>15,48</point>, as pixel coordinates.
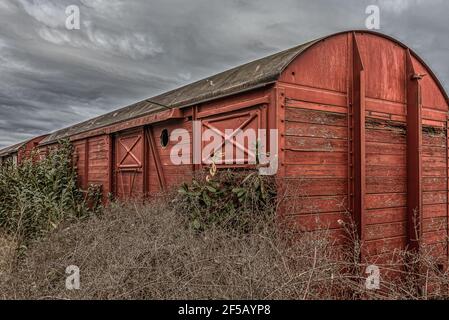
<point>150,251</point>
<point>139,251</point>
<point>8,251</point>
<point>219,238</point>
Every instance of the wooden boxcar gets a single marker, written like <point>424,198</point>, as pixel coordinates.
<point>362,125</point>
<point>18,152</point>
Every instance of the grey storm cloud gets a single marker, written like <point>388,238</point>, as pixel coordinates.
<point>128,50</point>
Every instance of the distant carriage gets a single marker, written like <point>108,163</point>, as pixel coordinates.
<point>18,152</point>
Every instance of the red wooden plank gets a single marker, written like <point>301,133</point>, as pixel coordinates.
<point>316,186</point>
<point>314,95</point>
<point>238,106</point>
<point>323,171</point>
<point>385,148</point>
<point>389,107</point>
<point>385,200</point>
<point>434,210</point>
<point>379,216</point>
<point>434,224</point>
<point>315,204</point>
<point>315,117</point>
<point>385,159</point>
<point>322,221</point>
<point>292,103</point>
<point>315,130</point>
<point>381,246</point>
<point>378,184</point>
<point>382,136</point>
<point>316,144</point>
<point>315,157</point>
<point>386,230</point>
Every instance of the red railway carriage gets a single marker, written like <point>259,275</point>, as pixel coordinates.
<point>18,152</point>
<point>362,125</point>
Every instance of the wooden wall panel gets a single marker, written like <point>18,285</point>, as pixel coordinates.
<point>316,142</point>
<point>386,147</point>
<point>315,159</point>
<point>172,174</point>
<point>81,163</point>
<point>386,184</point>
<point>99,162</point>
<point>384,63</point>
<point>322,66</point>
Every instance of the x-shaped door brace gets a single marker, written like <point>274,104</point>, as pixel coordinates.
<point>229,138</point>
<point>129,152</point>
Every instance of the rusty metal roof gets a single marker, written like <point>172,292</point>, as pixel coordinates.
<point>16,147</point>
<point>12,149</point>
<point>242,78</point>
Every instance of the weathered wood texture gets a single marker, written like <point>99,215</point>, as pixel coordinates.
<point>319,142</point>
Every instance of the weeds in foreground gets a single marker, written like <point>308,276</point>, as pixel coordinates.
<point>240,250</point>
<point>36,196</point>
<point>150,251</point>
<point>229,199</point>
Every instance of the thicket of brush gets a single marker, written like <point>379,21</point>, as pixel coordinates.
<point>189,246</point>
<point>228,199</point>
<point>36,196</point>
<point>137,251</point>
<point>142,251</point>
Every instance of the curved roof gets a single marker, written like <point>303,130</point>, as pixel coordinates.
<point>242,78</point>
<point>16,147</point>
<point>12,149</point>
<point>246,77</point>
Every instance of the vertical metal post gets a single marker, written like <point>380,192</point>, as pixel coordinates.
<point>447,187</point>
<point>414,155</point>
<point>86,164</point>
<point>278,103</point>
<point>356,116</point>
<point>146,163</point>
<point>110,166</point>
<point>195,166</point>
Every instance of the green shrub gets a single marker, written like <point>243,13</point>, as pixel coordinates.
<point>227,198</point>
<point>36,196</point>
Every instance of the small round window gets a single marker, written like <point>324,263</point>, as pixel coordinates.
<point>164,138</point>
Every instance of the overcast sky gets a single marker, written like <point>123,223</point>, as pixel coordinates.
<point>128,50</point>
